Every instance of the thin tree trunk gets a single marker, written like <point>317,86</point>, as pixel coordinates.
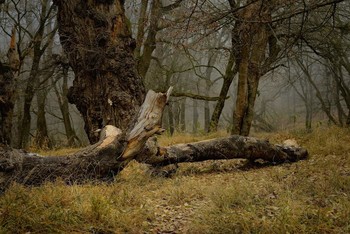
<point>195,117</point>
<point>171,119</point>
<point>141,24</point>
<point>150,42</point>
<point>208,72</point>
<point>183,115</point>
<point>253,83</point>
<point>347,124</point>
<point>231,71</point>
<point>336,95</point>
<point>42,139</point>
<point>28,97</point>
<point>324,107</point>
<point>206,114</point>
<point>64,108</point>
<point>176,114</point>
<point>32,81</point>
<point>242,91</point>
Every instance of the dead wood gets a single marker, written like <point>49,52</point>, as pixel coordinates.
<point>115,149</point>
<point>99,161</point>
<point>232,147</point>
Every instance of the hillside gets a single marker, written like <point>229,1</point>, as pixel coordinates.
<point>311,196</point>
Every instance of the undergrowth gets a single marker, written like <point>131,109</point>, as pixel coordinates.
<point>311,196</point>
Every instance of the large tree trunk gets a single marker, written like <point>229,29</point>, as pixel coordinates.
<point>97,40</point>
<point>115,149</point>
<point>257,57</point>
<point>253,42</point>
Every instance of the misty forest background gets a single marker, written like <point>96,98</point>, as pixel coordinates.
<point>304,76</point>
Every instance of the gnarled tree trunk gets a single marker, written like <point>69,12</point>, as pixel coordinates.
<point>97,40</point>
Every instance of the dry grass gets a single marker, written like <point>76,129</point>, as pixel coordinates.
<point>54,152</point>
<point>177,138</point>
<point>311,196</point>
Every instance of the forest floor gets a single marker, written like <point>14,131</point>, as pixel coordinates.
<point>310,196</point>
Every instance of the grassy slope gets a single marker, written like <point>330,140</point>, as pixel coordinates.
<point>311,196</point>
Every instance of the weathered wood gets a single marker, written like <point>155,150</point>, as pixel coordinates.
<point>232,147</point>
<point>115,149</point>
<point>99,161</point>
<point>148,122</point>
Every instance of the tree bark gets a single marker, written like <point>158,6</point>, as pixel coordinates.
<point>195,116</point>
<point>115,149</point>
<point>171,124</point>
<point>64,106</point>
<point>242,91</point>
<point>6,102</point>
<point>231,71</point>
<point>258,50</point>
<point>208,71</point>
<point>141,25</point>
<point>98,43</point>
<point>150,42</point>
<point>42,139</point>
<point>99,161</point>
<point>252,44</point>
<point>39,48</point>
<point>183,115</point>
<point>7,90</point>
<point>232,147</point>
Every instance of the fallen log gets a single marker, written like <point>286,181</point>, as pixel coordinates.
<point>231,147</point>
<point>99,161</point>
<point>115,149</point>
